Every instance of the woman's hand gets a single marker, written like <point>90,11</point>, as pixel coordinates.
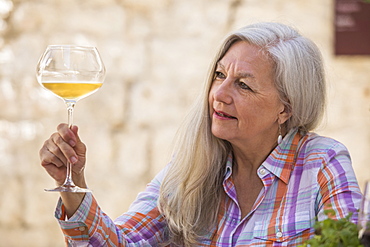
<point>62,146</point>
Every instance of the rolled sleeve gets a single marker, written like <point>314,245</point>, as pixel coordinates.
<point>82,223</point>
<point>142,225</point>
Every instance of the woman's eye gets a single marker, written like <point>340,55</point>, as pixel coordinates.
<point>244,86</point>
<point>219,75</point>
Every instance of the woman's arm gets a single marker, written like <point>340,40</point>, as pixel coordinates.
<point>81,219</point>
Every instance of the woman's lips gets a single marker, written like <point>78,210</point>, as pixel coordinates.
<point>223,115</point>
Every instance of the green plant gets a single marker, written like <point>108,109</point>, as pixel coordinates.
<point>334,233</point>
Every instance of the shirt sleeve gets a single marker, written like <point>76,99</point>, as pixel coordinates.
<point>339,189</point>
<point>142,225</point>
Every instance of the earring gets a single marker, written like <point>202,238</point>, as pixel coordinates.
<point>280,137</point>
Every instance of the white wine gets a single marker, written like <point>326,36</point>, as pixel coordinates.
<point>72,90</point>
<point>71,73</point>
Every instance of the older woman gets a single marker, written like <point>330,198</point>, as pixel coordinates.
<point>246,170</point>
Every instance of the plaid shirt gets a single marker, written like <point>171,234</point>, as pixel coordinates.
<point>302,176</point>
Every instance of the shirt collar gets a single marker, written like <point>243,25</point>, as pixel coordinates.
<point>281,160</point>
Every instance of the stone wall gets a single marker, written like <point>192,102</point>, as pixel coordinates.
<point>157,55</point>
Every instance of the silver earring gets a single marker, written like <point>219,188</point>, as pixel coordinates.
<point>280,137</point>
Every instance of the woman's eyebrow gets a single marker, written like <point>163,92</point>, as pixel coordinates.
<point>245,75</point>
<point>239,74</point>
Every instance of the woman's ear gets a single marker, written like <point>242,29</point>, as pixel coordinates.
<point>284,114</point>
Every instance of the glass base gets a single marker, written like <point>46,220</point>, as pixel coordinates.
<point>68,188</point>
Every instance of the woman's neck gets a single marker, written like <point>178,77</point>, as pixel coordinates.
<point>250,157</point>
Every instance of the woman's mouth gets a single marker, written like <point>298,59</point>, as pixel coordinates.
<point>224,115</point>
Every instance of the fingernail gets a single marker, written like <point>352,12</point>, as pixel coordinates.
<point>73,159</point>
<point>72,143</point>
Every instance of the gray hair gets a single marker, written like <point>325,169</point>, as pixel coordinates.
<point>299,72</point>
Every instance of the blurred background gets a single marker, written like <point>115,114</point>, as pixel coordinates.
<point>156,55</point>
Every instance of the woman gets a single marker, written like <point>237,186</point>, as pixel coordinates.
<point>246,170</point>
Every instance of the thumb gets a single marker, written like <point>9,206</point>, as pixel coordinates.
<point>74,129</point>
<point>80,147</point>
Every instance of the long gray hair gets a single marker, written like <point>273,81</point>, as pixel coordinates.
<point>191,191</point>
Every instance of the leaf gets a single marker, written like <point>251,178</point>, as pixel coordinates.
<point>334,233</point>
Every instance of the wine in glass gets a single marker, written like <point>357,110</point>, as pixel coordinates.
<point>71,73</point>
<point>364,217</point>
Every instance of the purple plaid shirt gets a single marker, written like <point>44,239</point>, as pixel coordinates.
<point>302,176</point>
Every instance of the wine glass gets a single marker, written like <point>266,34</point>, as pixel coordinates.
<point>364,217</point>
<point>71,73</point>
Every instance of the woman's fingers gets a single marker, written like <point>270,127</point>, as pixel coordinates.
<point>80,147</point>
<point>63,146</point>
<point>67,134</point>
<point>51,154</point>
<point>57,152</point>
<point>61,149</point>
<point>57,173</point>
<point>53,164</point>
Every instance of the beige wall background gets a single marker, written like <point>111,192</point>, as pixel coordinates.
<point>156,55</point>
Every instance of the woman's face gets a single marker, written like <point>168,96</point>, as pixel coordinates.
<point>244,103</point>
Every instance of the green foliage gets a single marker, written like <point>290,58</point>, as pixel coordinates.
<point>334,233</point>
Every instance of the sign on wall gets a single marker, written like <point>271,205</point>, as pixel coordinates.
<point>352,27</point>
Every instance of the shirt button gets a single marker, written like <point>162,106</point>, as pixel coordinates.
<point>82,228</point>
<point>262,171</point>
<point>279,234</point>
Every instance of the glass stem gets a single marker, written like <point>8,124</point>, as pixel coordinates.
<point>70,107</point>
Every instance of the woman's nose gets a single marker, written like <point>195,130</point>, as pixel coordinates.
<point>223,92</point>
